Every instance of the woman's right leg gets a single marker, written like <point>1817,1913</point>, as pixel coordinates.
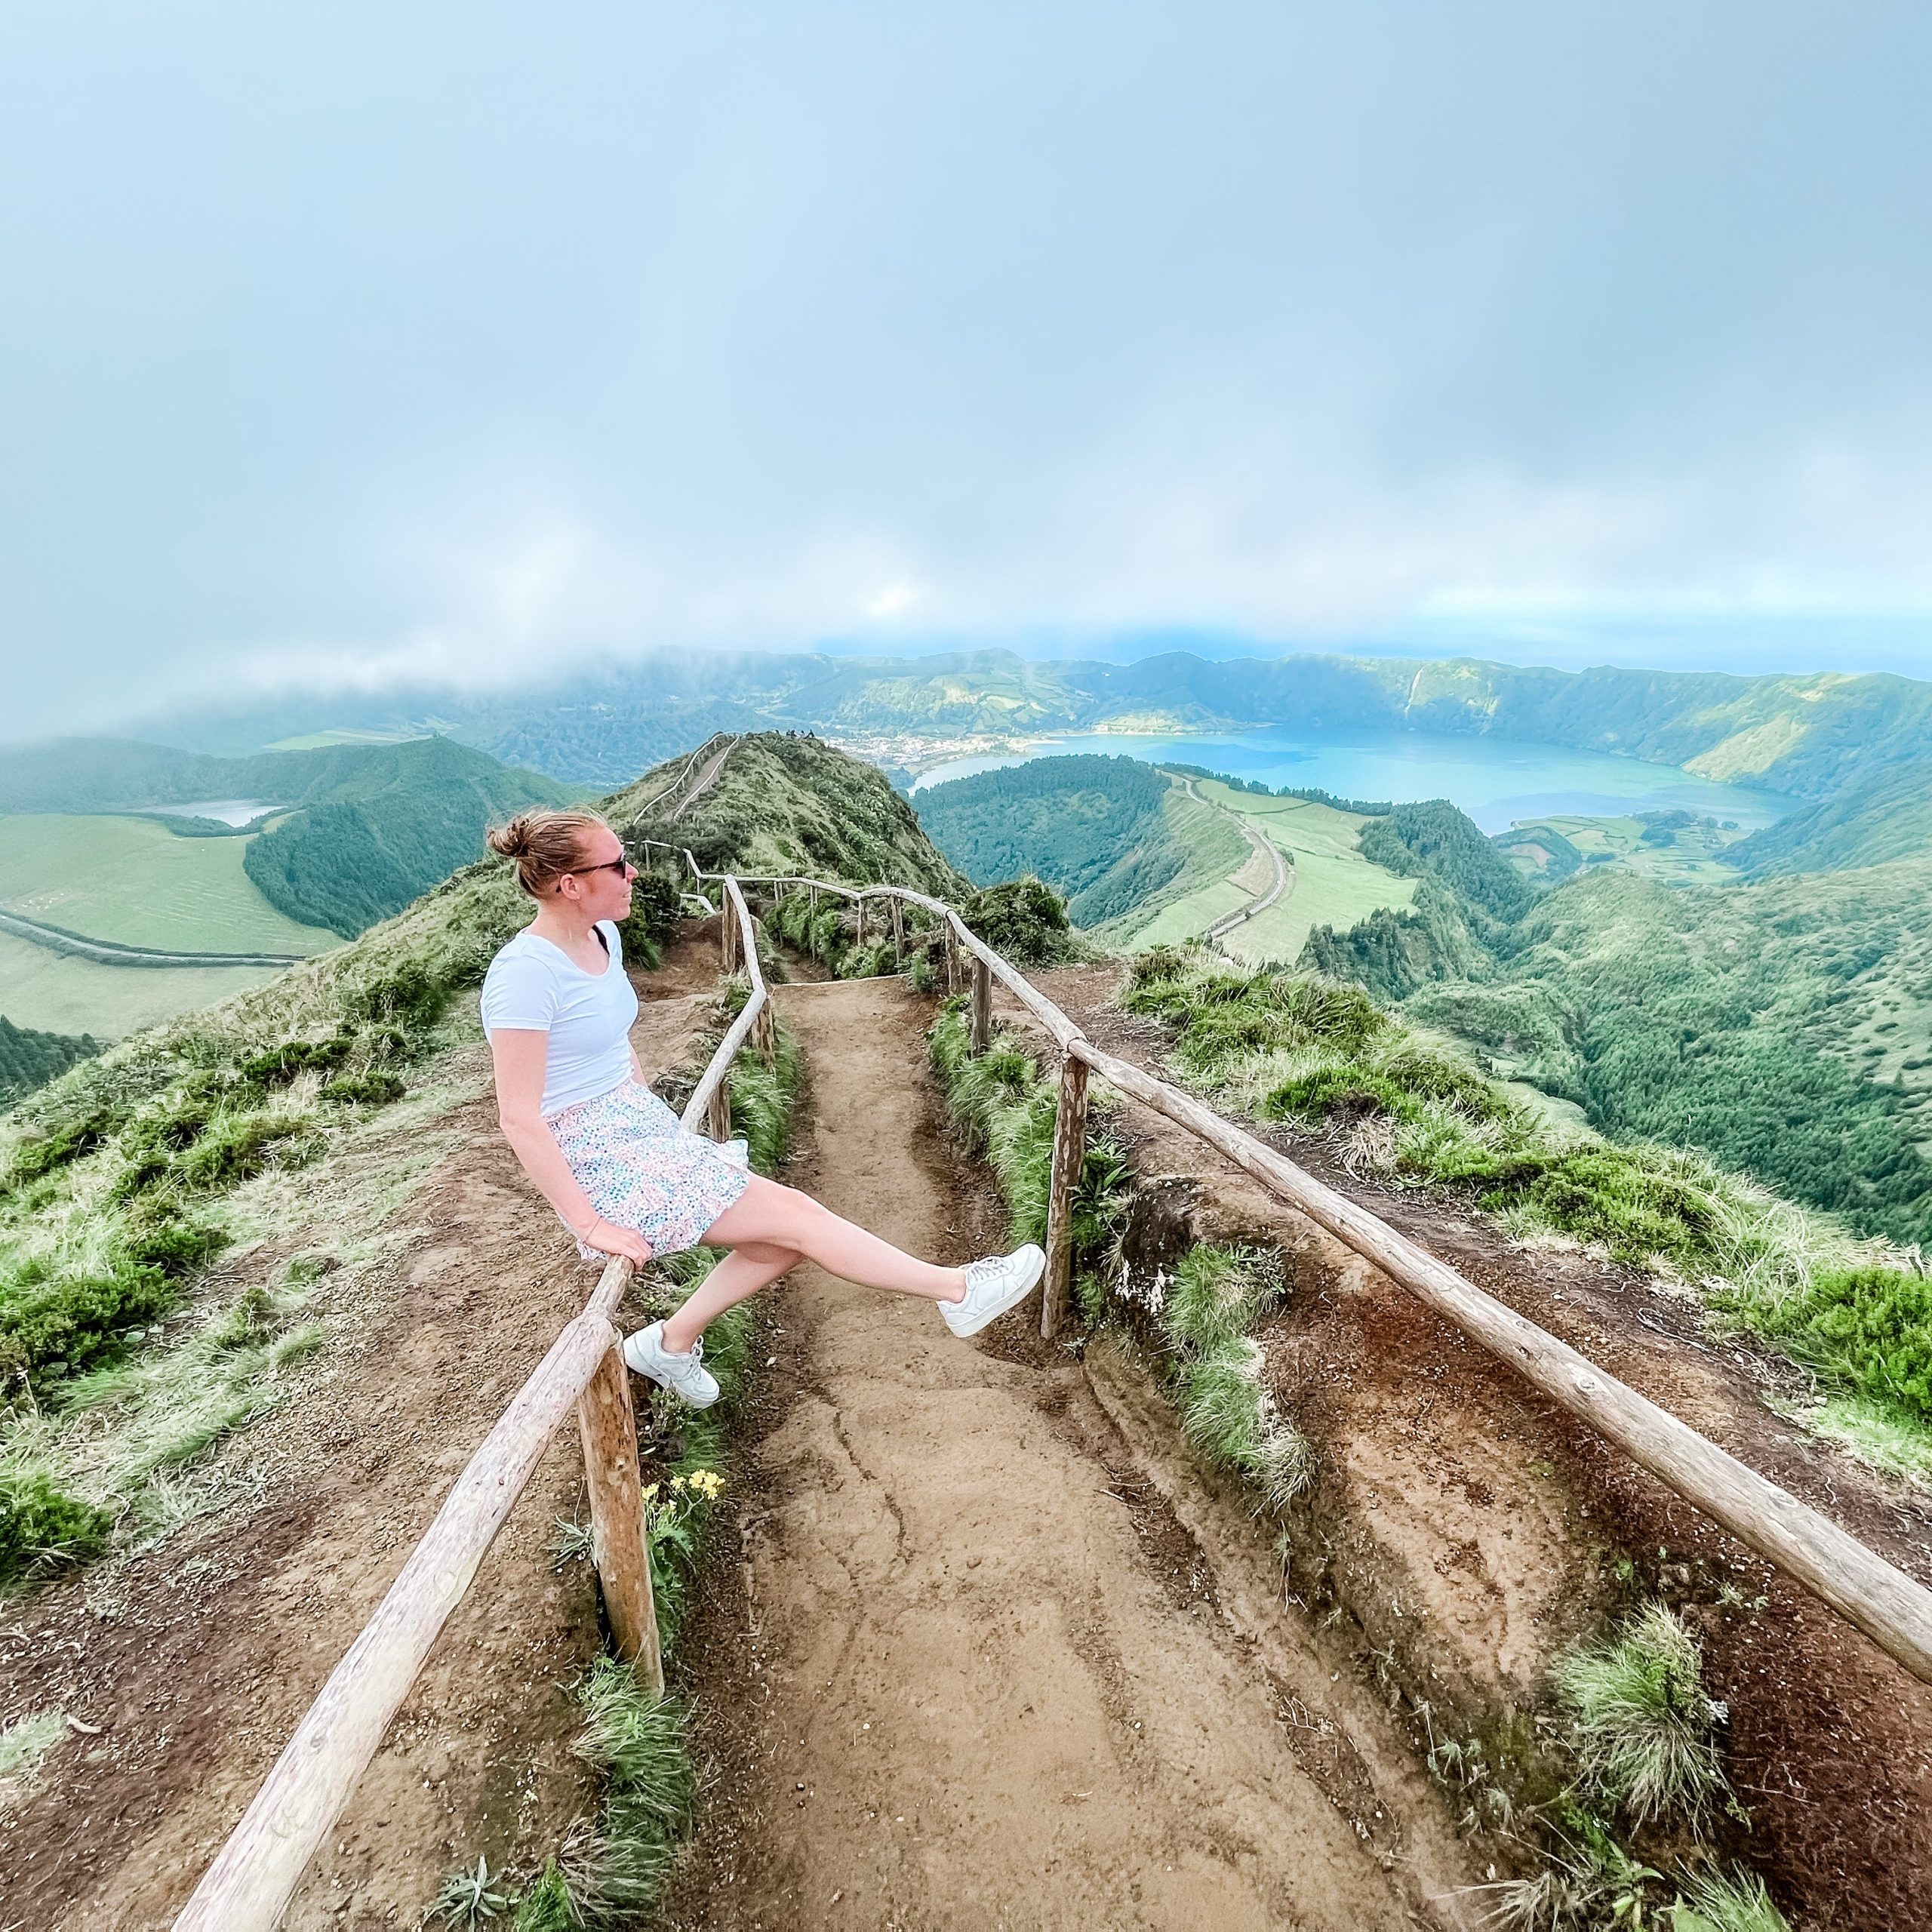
<point>783,1217</point>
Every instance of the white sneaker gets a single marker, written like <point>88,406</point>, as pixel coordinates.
<point>993,1284</point>
<point>687,1375</point>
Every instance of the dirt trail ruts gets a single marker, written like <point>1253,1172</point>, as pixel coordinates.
<point>979,1687</point>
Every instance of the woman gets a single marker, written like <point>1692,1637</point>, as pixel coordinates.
<point>612,1158</point>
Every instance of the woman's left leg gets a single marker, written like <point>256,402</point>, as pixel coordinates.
<point>751,1266</point>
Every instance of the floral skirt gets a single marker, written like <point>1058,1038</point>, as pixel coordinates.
<point>641,1170</point>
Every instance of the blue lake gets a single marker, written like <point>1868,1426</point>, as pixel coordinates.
<point>1497,781</point>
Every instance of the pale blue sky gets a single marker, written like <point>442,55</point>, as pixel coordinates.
<point>358,342</point>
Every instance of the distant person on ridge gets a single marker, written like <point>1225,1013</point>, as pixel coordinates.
<point>612,1158</point>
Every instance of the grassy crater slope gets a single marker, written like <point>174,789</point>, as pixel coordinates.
<point>787,803</point>
<point>1094,828</point>
<point>367,828</point>
<point>1783,1027</point>
<point>135,881</point>
<point>1884,817</point>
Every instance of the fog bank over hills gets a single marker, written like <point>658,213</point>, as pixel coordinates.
<point>1807,735</point>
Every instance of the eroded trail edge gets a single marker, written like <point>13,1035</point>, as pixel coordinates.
<point>969,1672</point>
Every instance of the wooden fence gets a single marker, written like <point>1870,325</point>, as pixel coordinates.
<point>249,1885</point>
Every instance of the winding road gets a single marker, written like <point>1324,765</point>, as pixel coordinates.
<point>1283,880</point>
<point>107,952</point>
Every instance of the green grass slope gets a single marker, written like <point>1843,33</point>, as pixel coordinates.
<point>1884,817</point>
<point>790,803</point>
<point>134,881</point>
<point>391,821</point>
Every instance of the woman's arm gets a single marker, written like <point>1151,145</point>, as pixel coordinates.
<point>520,1054</point>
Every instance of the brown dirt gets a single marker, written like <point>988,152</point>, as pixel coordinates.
<point>191,1664</point>
<point>973,1670</point>
<point>1468,1530</point>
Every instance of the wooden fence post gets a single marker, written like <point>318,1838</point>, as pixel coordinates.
<point>898,935</point>
<point>717,1112</point>
<point>952,957</point>
<point>1070,1155</point>
<point>607,1427</point>
<point>765,1031</point>
<point>983,1004</point>
<point>728,934</point>
<point>860,939</point>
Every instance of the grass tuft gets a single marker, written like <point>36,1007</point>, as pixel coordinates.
<point>1217,1295</point>
<point>1004,1107</point>
<point>1726,1902</point>
<point>1644,1732</point>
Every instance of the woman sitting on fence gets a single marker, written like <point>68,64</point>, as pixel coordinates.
<point>612,1160</point>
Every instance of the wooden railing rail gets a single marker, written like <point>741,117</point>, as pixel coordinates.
<point>1891,1608</point>
<point>247,1888</point>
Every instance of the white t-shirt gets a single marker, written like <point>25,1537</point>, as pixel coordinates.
<point>534,985</point>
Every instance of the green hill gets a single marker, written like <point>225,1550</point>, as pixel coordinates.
<point>367,827</point>
<point>1886,816</point>
<point>390,821</point>
<point>789,803</point>
<point>1783,1027</point>
<point>1094,828</point>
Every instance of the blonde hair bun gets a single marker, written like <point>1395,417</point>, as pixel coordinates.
<point>545,845</point>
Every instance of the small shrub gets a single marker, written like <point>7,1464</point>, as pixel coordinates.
<point>1024,920</point>
<point>1866,1331</point>
<point>43,1529</point>
<point>374,1088</point>
<point>281,1064</point>
<point>1644,1731</point>
<point>657,908</point>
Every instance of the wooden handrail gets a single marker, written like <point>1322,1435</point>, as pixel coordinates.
<point>1877,1599</point>
<point>247,1888</point>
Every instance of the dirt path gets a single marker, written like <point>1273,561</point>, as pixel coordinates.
<point>986,1680</point>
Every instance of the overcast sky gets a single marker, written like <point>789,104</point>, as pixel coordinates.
<point>354,342</point>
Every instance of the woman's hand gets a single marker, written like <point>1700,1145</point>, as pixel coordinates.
<point>608,1238</point>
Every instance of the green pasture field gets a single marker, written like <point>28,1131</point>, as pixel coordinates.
<point>59,994</point>
<point>1201,892</point>
<point>316,741</point>
<point>1334,884</point>
<point>1692,860</point>
<point>132,881</point>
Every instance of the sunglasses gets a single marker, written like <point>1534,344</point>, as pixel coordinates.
<point>608,865</point>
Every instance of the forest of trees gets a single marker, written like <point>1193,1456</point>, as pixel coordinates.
<point>1093,828</point>
<point>401,819</point>
<point>30,1058</point>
